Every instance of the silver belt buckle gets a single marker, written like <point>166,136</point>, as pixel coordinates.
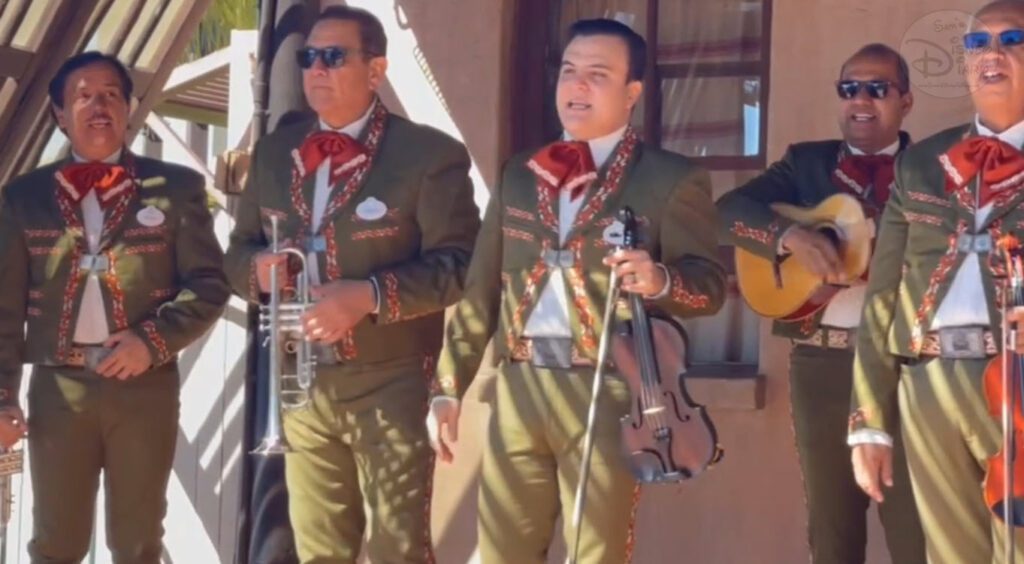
<point>962,342</point>
<point>316,245</point>
<point>559,259</point>
<point>980,243</point>
<point>94,263</point>
<point>94,355</point>
<point>551,352</point>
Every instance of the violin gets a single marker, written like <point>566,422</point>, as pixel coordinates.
<point>667,437</point>
<point>1004,476</point>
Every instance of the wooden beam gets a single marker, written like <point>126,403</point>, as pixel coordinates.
<point>208,116</point>
<point>738,69</point>
<point>169,137</point>
<point>19,135</point>
<point>14,62</point>
<point>154,92</point>
<point>652,85</point>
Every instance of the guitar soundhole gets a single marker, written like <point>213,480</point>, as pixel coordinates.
<point>832,234</point>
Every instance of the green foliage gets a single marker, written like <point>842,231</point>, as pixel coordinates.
<point>215,28</point>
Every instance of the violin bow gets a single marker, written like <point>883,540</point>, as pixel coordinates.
<point>588,440</point>
<point>1010,246</point>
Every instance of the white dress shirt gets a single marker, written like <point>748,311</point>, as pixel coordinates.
<point>551,316</point>
<point>964,303</point>
<point>91,326</point>
<point>844,309</point>
<point>322,192</point>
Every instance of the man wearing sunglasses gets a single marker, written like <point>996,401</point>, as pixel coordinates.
<point>931,318</point>
<point>384,210</point>
<point>874,98</point>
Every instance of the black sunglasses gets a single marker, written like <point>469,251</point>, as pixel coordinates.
<point>332,57</point>
<point>981,39</point>
<point>877,89</point>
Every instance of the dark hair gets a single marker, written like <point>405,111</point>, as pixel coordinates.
<point>883,51</point>
<point>371,31</point>
<point>602,26</point>
<point>82,60</point>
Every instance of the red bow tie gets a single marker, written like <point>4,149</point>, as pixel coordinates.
<point>868,170</point>
<point>999,166</point>
<point>343,151</point>
<point>81,178</point>
<point>566,165</point>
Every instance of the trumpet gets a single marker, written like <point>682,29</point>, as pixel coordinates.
<point>281,321</point>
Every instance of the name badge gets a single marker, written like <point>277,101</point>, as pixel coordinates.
<point>371,209</point>
<point>613,233</point>
<point>150,216</point>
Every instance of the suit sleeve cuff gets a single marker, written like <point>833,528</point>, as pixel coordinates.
<point>869,436</point>
<point>664,289</point>
<point>376,295</point>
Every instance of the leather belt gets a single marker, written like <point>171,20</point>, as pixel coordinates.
<point>549,352</point>
<point>830,338</point>
<point>960,342</point>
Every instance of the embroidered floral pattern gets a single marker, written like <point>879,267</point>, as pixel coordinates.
<point>680,294</point>
<point>163,355</point>
<point>584,309</point>
<point>513,233</point>
<point>612,181</point>
<point>928,199</point>
<point>145,231</point>
<point>540,268</point>
<point>546,209</point>
<point>116,294</point>
<point>145,249</point>
<point>631,534</point>
<point>938,276</point>
<point>914,217</point>
<point>741,230</point>
<point>391,297</point>
<point>383,233</point>
<point>519,214</point>
<point>164,293</point>
<point>42,233</point>
<point>74,278</point>
<point>42,251</point>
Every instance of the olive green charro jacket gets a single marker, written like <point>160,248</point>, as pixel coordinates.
<point>417,252</point>
<point>165,281</point>
<point>671,199</point>
<point>915,262</point>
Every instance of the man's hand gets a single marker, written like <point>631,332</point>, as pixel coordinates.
<point>443,426</point>
<point>340,305</point>
<point>639,274</point>
<point>128,358</point>
<point>12,426</point>
<point>815,251</point>
<point>265,262</point>
<point>872,467</point>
